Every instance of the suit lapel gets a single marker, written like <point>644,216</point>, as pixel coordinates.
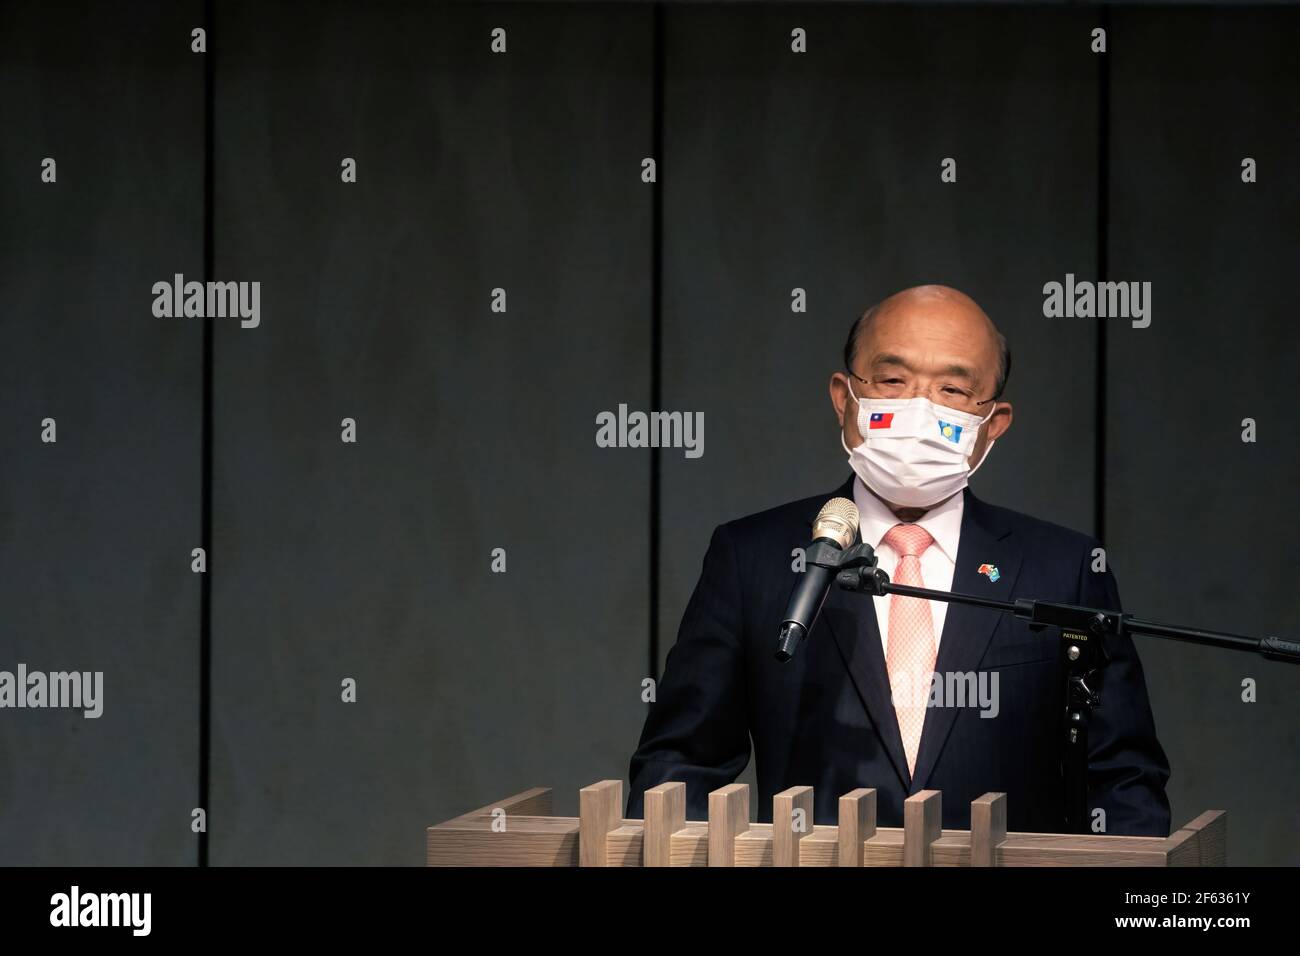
<point>851,619</point>
<point>967,630</point>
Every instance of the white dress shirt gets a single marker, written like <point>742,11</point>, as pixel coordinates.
<point>938,561</point>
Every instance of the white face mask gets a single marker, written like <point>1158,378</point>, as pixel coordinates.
<point>914,453</point>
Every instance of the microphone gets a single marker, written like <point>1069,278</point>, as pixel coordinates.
<point>836,526</point>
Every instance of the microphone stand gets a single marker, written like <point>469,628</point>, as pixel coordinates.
<point>1083,654</point>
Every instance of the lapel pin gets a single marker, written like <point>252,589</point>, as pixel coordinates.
<point>990,571</point>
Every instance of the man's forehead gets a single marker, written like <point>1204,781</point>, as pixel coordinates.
<point>949,330</point>
<point>950,365</point>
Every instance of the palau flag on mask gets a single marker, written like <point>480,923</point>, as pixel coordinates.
<point>950,432</point>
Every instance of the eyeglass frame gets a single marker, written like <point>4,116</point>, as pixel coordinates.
<point>868,382</point>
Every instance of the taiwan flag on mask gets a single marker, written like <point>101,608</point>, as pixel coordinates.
<point>880,419</point>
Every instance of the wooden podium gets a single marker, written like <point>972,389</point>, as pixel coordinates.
<point>520,831</point>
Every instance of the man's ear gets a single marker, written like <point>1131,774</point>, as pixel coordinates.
<point>845,409</point>
<point>839,389</point>
<point>1000,421</point>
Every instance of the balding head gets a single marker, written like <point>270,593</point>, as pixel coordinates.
<point>944,303</point>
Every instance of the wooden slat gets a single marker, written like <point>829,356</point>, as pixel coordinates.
<point>883,849</point>
<point>1064,842</point>
<point>792,819</point>
<point>951,849</point>
<point>857,823</point>
<point>527,841</point>
<point>1203,842</point>
<point>623,845</point>
<point>533,802</point>
<point>665,814</point>
<point>754,846</point>
<point>922,821</point>
<point>1072,849</point>
<point>690,847</point>
<point>1012,855</point>
<point>600,809</point>
<point>728,817</point>
<point>988,828</point>
<point>821,847</point>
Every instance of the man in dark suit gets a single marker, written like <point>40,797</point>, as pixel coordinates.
<point>868,700</point>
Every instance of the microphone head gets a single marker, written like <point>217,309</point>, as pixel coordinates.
<point>838,521</point>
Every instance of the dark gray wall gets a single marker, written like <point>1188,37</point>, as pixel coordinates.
<point>1202,527</point>
<point>476,429</point>
<point>96,529</point>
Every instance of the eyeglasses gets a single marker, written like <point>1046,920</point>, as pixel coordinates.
<point>899,385</point>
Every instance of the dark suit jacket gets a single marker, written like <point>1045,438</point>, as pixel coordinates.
<point>825,718</point>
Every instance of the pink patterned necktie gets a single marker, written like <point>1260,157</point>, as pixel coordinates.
<point>910,653</point>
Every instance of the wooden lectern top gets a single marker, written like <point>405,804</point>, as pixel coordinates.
<point>520,831</point>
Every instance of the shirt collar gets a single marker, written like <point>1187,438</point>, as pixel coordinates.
<point>943,521</point>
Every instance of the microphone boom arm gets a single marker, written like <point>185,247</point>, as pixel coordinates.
<point>858,572</point>
<point>1083,653</point>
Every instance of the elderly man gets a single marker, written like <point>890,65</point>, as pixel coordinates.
<point>919,408</point>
